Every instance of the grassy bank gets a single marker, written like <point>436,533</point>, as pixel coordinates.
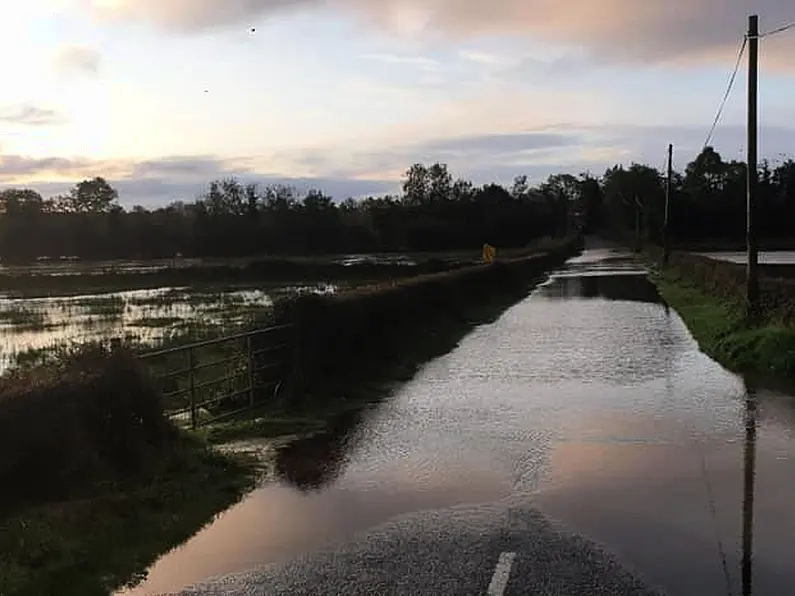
<point>96,483</point>
<point>354,346</point>
<point>717,321</point>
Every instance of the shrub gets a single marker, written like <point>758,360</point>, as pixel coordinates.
<point>95,418</point>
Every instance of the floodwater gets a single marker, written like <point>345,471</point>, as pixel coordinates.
<point>590,401</point>
<point>776,257</point>
<point>146,316</point>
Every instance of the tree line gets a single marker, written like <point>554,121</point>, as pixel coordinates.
<point>708,200</point>
<point>434,211</point>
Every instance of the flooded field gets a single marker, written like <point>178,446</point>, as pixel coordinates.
<point>778,257</point>
<point>29,326</point>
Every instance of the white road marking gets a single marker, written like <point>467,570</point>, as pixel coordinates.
<point>499,581</point>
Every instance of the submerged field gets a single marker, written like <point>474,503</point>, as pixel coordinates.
<point>61,303</point>
<point>31,327</point>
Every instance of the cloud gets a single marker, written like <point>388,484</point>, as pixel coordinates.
<point>420,62</point>
<point>621,30</point>
<point>75,59</point>
<point>344,172</point>
<point>159,181</point>
<point>486,58</point>
<point>554,149</point>
<point>30,115</point>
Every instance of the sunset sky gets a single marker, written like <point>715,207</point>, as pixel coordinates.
<point>161,96</point>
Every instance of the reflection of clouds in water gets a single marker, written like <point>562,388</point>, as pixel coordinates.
<point>277,522</point>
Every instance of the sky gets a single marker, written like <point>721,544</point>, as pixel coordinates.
<point>162,96</point>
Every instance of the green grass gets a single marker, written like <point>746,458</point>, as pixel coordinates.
<point>93,546</point>
<point>722,332</point>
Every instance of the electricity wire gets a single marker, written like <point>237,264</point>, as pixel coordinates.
<point>781,29</point>
<point>729,88</point>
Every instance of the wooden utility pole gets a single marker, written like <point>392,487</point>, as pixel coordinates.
<point>752,275</point>
<point>666,221</point>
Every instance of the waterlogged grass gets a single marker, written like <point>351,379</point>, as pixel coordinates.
<point>146,319</point>
<point>112,305</point>
<point>722,332</point>
<point>96,545</point>
<point>21,317</point>
<point>157,322</point>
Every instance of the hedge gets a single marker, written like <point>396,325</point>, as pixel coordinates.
<point>338,335</point>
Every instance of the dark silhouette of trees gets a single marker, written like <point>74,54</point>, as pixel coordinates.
<point>433,212</point>
<point>708,200</point>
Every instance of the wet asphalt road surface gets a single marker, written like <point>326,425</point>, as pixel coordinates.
<point>589,404</point>
<point>452,552</point>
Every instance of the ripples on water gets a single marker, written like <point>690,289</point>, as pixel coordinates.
<point>589,400</point>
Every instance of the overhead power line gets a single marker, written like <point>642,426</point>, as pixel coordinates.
<point>728,91</point>
<point>778,30</point>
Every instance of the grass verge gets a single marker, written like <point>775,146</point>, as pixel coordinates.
<point>720,328</point>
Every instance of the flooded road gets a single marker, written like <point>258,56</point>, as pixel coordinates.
<point>587,406</point>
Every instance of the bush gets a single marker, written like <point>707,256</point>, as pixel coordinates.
<point>96,418</point>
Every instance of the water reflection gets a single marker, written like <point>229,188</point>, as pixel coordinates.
<point>634,287</point>
<point>589,401</point>
<point>311,463</point>
<point>749,477</point>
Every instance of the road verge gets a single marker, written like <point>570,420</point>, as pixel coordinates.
<point>707,294</point>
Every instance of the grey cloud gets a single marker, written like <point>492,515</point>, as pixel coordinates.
<point>483,159</point>
<point>183,166</point>
<point>30,115</point>
<point>565,148</point>
<point>157,182</point>
<point>76,59</point>
<point>622,30</point>
<point>16,166</point>
<point>499,143</point>
<point>461,153</point>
